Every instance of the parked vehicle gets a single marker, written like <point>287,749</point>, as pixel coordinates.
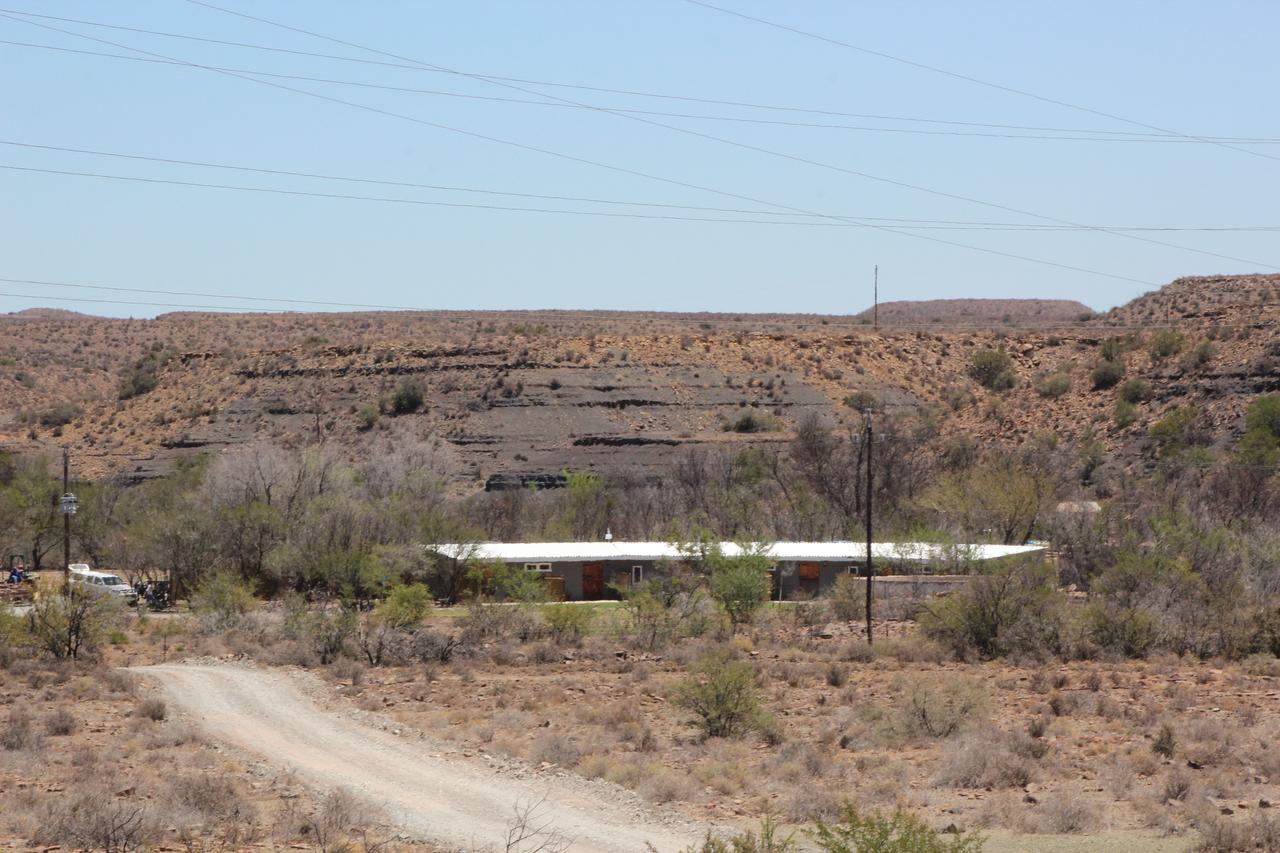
<point>102,582</point>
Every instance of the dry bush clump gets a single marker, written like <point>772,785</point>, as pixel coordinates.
<point>940,707</point>
<point>95,818</point>
<point>19,733</point>
<point>152,709</point>
<point>1068,812</point>
<point>60,723</point>
<point>988,760</point>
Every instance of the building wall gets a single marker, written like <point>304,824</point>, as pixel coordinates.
<point>616,572</point>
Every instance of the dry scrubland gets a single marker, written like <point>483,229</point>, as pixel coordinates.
<point>1173,753</point>
<point>540,391</point>
<point>91,759</point>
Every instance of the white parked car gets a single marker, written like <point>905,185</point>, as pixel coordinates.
<point>102,582</point>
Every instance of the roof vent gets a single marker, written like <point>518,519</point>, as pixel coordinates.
<point>608,534</point>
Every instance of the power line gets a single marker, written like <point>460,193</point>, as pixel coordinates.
<point>316,302</point>
<point>749,147</point>
<point>1045,135</point>
<point>414,201</point>
<point>44,298</point>
<point>923,224</point>
<point>968,79</point>
<point>586,161</point>
<point>582,87</point>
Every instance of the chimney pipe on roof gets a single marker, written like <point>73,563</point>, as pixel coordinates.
<point>608,534</point>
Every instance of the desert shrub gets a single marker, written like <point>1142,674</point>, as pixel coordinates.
<point>72,625</point>
<point>751,422</point>
<point>556,749</point>
<point>1113,348</point>
<point>1165,343</point>
<point>430,646</point>
<point>1106,374</point>
<point>1068,813</point>
<point>60,414</point>
<point>983,760</point>
<point>848,598</point>
<point>1133,597</point>
<point>860,400</point>
<point>1164,742</point>
<point>405,606</point>
<point>1260,444</point>
<point>901,832</point>
<point>213,797</point>
<point>367,417</point>
<point>568,622</point>
<point>938,708</point>
<point>992,369</point>
<point>380,640</point>
<point>1198,356</point>
<point>1135,391</point>
<point>408,397</point>
<point>1263,415</point>
<point>221,602</point>
<point>1052,385</point>
<point>19,733</point>
<point>60,723</point>
<point>329,631</point>
<point>151,709</point>
<point>1124,413</point>
<point>1178,430</point>
<point>94,818</point>
<point>1013,609</point>
<point>660,610</point>
<point>768,840</point>
<point>722,692</point>
<point>143,375</point>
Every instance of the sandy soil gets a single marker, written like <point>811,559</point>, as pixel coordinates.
<point>425,786</point>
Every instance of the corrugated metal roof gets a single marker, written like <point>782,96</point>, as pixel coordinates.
<point>574,552</point>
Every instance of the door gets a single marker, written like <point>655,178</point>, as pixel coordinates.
<point>810,575</point>
<point>592,581</point>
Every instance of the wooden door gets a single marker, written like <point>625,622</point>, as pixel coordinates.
<point>810,575</point>
<point>592,581</point>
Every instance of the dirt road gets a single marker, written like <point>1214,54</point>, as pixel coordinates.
<point>446,798</point>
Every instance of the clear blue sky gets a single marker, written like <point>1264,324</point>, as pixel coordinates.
<point>1193,67</point>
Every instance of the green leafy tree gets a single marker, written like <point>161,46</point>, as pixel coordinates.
<point>740,582</point>
<point>1000,497</point>
<point>222,600</point>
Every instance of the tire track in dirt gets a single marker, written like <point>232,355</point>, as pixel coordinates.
<point>448,800</point>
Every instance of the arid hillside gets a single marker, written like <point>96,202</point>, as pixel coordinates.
<point>527,394</point>
<point>968,313</point>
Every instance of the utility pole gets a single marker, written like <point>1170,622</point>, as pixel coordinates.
<point>875,309</point>
<point>867,442</point>
<point>67,505</point>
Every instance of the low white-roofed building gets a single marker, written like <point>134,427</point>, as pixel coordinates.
<point>594,570</point>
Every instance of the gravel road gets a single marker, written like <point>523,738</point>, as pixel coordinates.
<point>424,786</point>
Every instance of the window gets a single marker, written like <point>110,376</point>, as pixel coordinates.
<point>537,567</point>
<point>637,574</point>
